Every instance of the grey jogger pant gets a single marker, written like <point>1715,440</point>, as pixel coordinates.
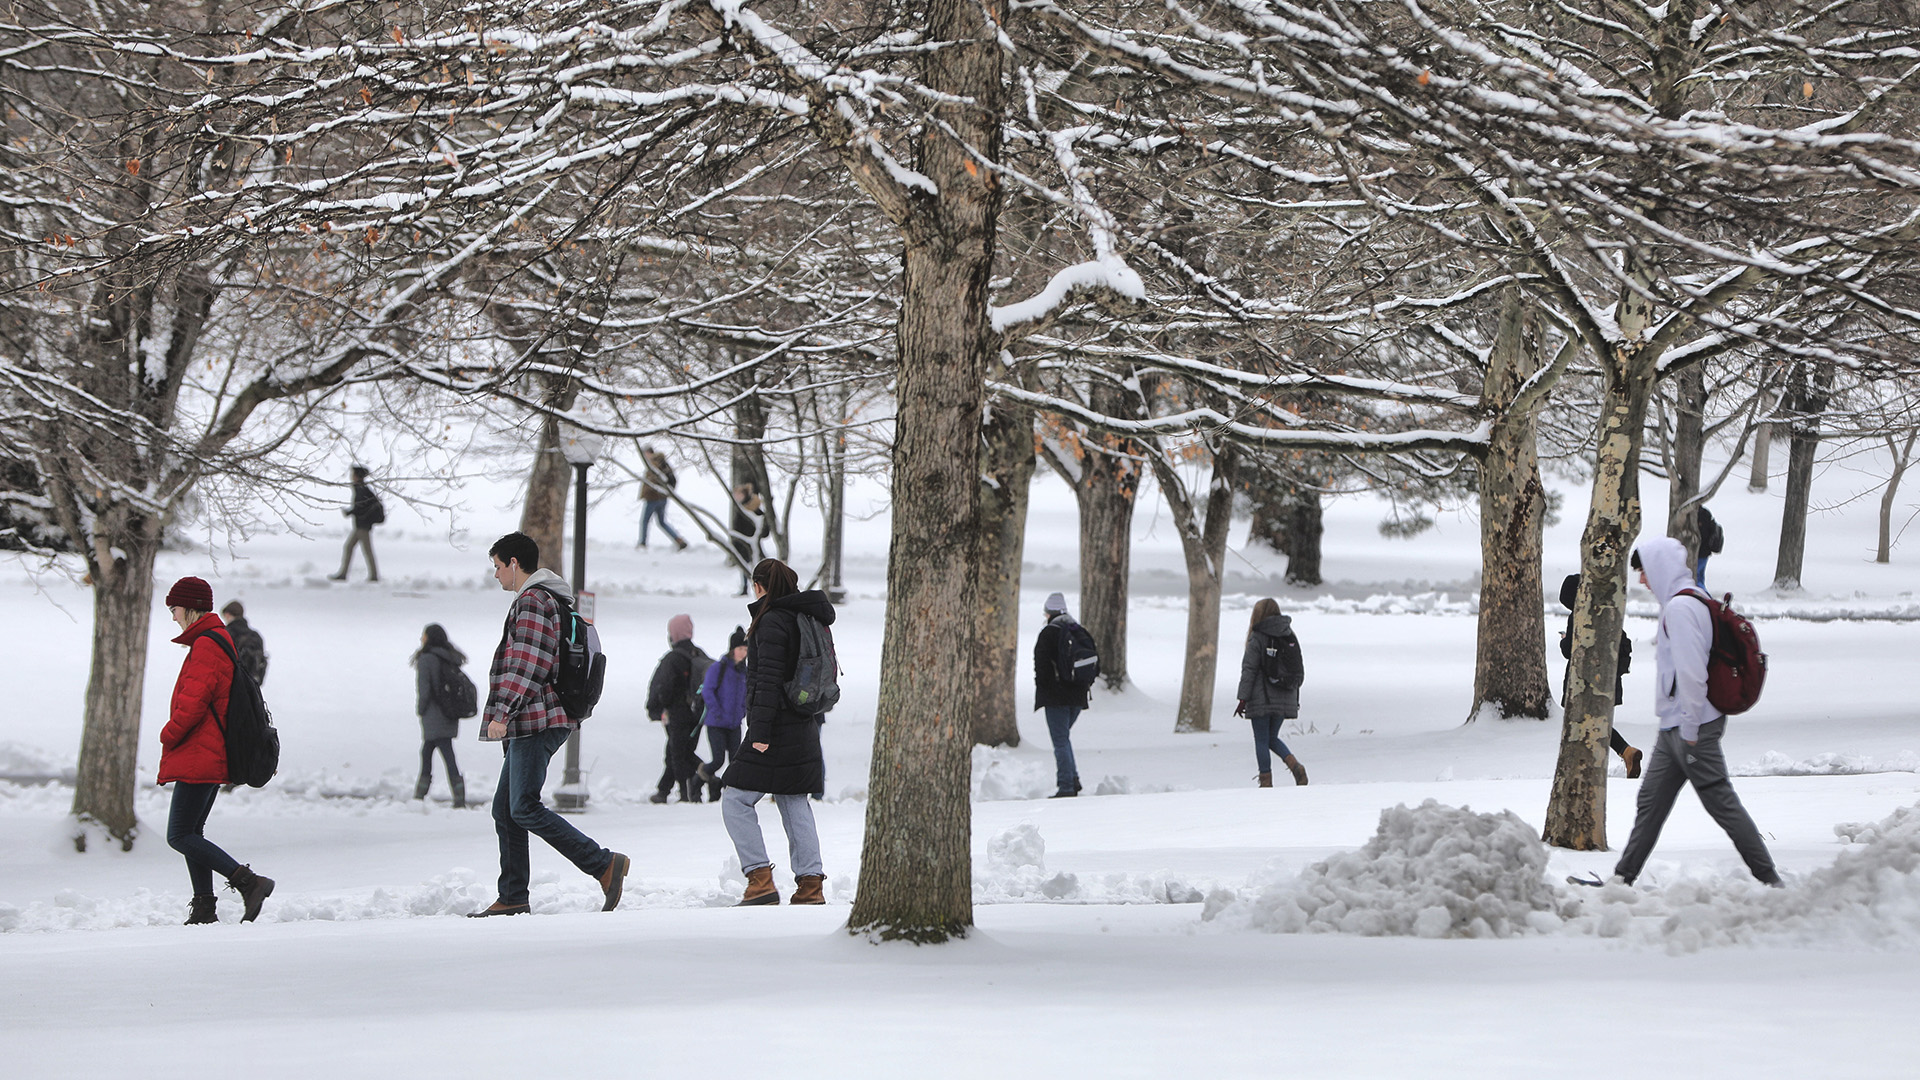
<point>1673,765</point>
<point>743,826</point>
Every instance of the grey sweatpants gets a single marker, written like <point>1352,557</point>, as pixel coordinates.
<point>1673,765</point>
<point>743,826</point>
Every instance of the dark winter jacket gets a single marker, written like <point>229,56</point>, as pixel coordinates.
<point>366,509</point>
<point>672,687</point>
<point>791,763</point>
<point>725,691</point>
<point>193,745</point>
<point>1049,690</point>
<point>1712,537</point>
<point>1264,697</point>
<point>251,651</point>
<point>1569,592</point>
<point>431,666</point>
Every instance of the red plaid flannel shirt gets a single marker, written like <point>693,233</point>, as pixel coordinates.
<point>520,689</point>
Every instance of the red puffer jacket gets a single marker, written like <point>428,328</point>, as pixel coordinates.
<point>193,745</point>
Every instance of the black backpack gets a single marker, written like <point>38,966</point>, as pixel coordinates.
<point>253,746</point>
<point>456,695</point>
<point>582,669</point>
<point>815,687</point>
<point>697,666</point>
<point>1079,663</point>
<point>379,512</point>
<point>1273,661</point>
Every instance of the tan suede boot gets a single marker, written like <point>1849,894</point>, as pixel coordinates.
<point>807,889</point>
<point>1631,756</point>
<point>760,890</point>
<point>1298,770</point>
<point>1266,779</point>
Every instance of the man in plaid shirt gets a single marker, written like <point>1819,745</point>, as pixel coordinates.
<point>523,711</point>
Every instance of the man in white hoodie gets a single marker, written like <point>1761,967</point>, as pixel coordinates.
<point>1688,748</point>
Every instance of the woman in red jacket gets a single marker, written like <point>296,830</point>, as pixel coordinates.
<point>193,751</point>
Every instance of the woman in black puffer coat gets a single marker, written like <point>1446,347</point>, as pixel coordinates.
<point>1270,688</point>
<point>435,660</point>
<point>780,755</point>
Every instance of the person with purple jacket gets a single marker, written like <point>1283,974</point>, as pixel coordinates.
<point>724,689</point>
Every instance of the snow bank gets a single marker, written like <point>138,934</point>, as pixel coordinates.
<point>1774,763</point>
<point>1432,871</point>
<point>1016,873</point>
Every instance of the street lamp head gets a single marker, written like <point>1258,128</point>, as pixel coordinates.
<point>580,447</point>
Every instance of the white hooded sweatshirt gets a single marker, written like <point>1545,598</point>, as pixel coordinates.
<point>1682,643</point>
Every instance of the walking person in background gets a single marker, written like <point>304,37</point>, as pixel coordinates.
<point>1056,692</point>
<point>1270,676</point>
<point>1688,748</point>
<point>724,689</point>
<point>435,664</point>
<point>1712,539</point>
<point>657,483</point>
<point>745,528</point>
<point>366,511</point>
<point>673,699</point>
<point>252,652</point>
<point>1570,591</point>
<point>782,753</point>
<point>193,753</point>
<point>524,714</point>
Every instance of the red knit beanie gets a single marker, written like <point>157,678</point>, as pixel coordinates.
<point>191,593</point>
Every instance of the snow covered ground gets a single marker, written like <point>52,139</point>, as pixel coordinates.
<point>1178,921</point>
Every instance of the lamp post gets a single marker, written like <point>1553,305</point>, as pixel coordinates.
<point>580,448</point>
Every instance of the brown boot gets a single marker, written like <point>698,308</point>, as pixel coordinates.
<point>1266,779</point>
<point>613,881</point>
<point>1631,756</point>
<point>760,890</point>
<point>807,889</point>
<point>1298,770</point>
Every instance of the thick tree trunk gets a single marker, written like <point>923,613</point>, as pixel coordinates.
<point>749,466</point>
<point>1203,527</point>
<point>1301,518</point>
<point>1806,400</point>
<point>1902,455</point>
<point>916,860</point>
<point>1689,446</point>
<point>110,741</point>
<point>834,505</point>
<point>544,514</point>
<point>1108,485</point>
<point>1762,446</point>
<point>1007,473</point>
<point>1510,668</point>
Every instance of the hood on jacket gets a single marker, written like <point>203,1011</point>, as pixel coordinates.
<point>1274,626</point>
<point>1569,591</point>
<point>812,602</point>
<point>1665,561</point>
<point>554,583</point>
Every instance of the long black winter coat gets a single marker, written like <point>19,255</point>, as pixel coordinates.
<point>1569,592</point>
<point>672,681</point>
<point>792,763</point>
<point>1049,691</point>
<point>429,667</point>
<point>1266,698</point>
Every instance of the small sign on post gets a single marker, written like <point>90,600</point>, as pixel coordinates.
<point>584,604</point>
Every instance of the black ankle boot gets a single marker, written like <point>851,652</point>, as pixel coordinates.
<point>201,912</point>
<point>253,890</point>
<point>459,784</point>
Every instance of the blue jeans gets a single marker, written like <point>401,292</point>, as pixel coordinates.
<point>1266,740</point>
<point>185,820</point>
<point>743,826</point>
<point>725,744</point>
<point>1700,570</point>
<point>1066,776</point>
<point>517,811</point>
<point>656,511</point>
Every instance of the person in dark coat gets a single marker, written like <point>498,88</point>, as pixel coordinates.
<point>1270,676</point>
<point>1629,756</point>
<point>1712,539</point>
<point>782,755</point>
<point>670,701</point>
<point>435,660</point>
<point>366,511</point>
<point>193,753</point>
<point>246,642</point>
<point>1062,699</point>
<point>724,690</point>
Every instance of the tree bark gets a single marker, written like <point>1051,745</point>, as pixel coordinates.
<point>110,740</point>
<point>1007,478</point>
<point>1689,446</point>
<point>1301,515</point>
<point>1203,527</point>
<point>1108,484</point>
<point>1510,668</point>
<point>1762,445</point>
<point>1902,456</point>
<point>749,465</point>
<point>543,516</point>
<point>916,860</point>
<point>1806,400</point>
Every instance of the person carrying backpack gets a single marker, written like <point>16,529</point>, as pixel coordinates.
<point>436,670</point>
<point>782,755</point>
<point>724,691</point>
<point>193,753</point>
<point>248,647</point>
<point>524,714</point>
<point>1270,678</point>
<point>655,487</point>
<point>366,510</point>
<point>1688,748</point>
<point>1712,539</point>
<point>1058,691</point>
<point>1623,663</point>
<point>673,699</point>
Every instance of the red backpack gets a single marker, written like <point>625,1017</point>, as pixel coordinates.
<point>1736,668</point>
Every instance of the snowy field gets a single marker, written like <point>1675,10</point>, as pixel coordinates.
<point>1179,921</point>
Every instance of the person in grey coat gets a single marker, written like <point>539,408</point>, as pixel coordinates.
<point>435,660</point>
<point>1270,678</point>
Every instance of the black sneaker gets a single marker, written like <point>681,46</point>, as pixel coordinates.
<point>1065,795</point>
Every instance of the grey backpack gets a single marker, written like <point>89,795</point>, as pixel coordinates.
<point>815,687</point>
